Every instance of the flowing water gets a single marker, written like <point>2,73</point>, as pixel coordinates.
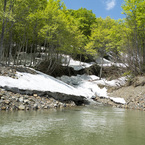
<point>91,125</point>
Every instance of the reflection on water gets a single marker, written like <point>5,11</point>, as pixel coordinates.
<point>91,125</point>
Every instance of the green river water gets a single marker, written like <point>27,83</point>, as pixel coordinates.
<point>90,125</point>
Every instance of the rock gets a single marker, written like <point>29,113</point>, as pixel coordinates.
<point>35,106</point>
<point>13,97</point>
<point>3,108</point>
<point>21,107</point>
<point>2,98</point>
<point>17,99</point>
<point>1,101</point>
<point>46,107</point>
<point>26,97</point>
<point>27,108</point>
<point>26,101</point>
<point>64,105</point>
<point>55,105</point>
<point>1,95</point>
<point>31,99</point>
<point>35,95</point>
<point>38,97</point>
<point>75,81</point>
<point>7,102</point>
<point>57,96</point>
<point>21,99</point>
<point>72,104</point>
<point>133,100</point>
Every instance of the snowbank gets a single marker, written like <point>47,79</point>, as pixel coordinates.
<point>39,82</point>
<point>43,82</point>
<point>76,65</point>
<point>88,84</point>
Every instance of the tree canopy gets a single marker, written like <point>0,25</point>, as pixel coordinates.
<point>46,29</point>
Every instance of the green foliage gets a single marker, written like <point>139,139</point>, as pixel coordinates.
<point>135,40</point>
<point>128,73</point>
<point>27,24</point>
<point>85,18</point>
<point>106,36</point>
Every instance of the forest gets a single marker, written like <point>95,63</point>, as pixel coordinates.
<point>35,31</point>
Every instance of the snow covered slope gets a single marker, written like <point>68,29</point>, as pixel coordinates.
<point>43,82</point>
<point>86,86</point>
<point>39,82</point>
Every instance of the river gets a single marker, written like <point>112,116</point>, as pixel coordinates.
<point>90,125</point>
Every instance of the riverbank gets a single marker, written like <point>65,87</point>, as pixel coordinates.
<point>121,96</point>
<point>133,93</point>
<point>18,101</point>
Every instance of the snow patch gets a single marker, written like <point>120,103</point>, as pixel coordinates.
<point>38,82</point>
<point>118,100</point>
<point>114,83</point>
<point>76,65</point>
<point>82,85</point>
<point>109,63</point>
<point>88,84</point>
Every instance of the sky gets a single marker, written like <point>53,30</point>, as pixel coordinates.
<point>101,8</point>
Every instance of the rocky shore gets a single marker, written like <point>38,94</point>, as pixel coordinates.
<point>10,100</point>
<point>133,94</point>
<point>136,103</point>
<point>16,101</point>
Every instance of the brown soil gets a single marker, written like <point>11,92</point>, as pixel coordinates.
<point>133,93</point>
<point>136,89</point>
<point>66,70</point>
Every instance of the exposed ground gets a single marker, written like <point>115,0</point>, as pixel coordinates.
<point>17,101</point>
<point>133,92</point>
<point>137,88</point>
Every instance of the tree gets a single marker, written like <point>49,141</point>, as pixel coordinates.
<point>106,38</point>
<point>3,19</point>
<point>134,11</point>
<point>15,26</point>
<point>85,19</point>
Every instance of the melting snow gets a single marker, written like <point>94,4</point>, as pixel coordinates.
<point>118,100</point>
<point>38,82</point>
<point>77,65</point>
<point>87,87</point>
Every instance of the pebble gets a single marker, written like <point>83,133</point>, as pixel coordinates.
<point>26,101</point>
<point>35,95</point>
<point>21,99</point>
<point>137,103</point>
<point>22,107</point>
<point>35,106</point>
<point>15,101</point>
<point>46,107</point>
